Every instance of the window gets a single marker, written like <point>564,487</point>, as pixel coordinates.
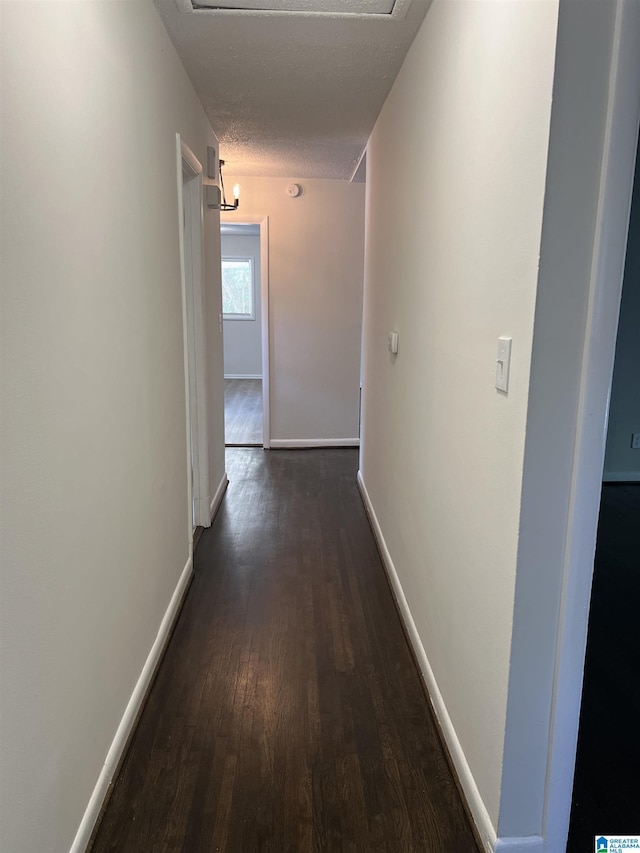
<point>238,289</point>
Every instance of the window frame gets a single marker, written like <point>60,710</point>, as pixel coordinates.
<point>251,261</point>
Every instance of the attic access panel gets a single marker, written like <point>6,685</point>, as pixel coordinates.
<point>308,7</point>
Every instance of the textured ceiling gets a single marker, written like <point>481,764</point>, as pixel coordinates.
<point>291,95</point>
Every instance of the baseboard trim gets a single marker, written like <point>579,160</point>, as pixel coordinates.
<point>243,376</point>
<point>201,506</point>
<point>313,442</point>
<point>217,498</point>
<point>530,844</point>
<point>131,714</point>
<point>620,477</point>
<point>469,789</point>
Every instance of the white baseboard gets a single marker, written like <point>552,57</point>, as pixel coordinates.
<point>131,714</point>
<point>472,795</point>
<point>621,477</point>
<point>243,376</point>
<point>217,498</point>
<point>314,442</point>
<point>531,844</point>
<point>201,507</point>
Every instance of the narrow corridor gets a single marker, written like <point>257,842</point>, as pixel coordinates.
<point>288,714</point>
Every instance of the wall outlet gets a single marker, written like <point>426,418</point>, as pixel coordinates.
<point>635,440</point>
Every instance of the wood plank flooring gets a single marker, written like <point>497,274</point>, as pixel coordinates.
<point>287,714</point>
<point>606,792</point>
<point>243,412</point>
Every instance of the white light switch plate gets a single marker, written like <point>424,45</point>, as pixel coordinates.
<point>503,362</point>
<point>392,344</point>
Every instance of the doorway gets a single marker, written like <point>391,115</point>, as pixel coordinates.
<point>606,789</point>
<point>245,318</point>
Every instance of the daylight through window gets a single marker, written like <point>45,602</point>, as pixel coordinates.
<point>237,289</point>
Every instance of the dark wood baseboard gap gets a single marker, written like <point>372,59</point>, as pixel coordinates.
<point>425,688</point>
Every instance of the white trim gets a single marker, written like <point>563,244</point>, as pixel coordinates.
<point>314,442</point>
<point>131,712</point>
<point>201,508</point>
<point>214,506</point>
<point>472,794</point>
<point>263,222</point>
<point>531,844</point>
<point>192,162</point>
<point>621,477</point>
<point>612,223</point>
<point>191,225</point>
<point>183,277</point>
<point>243,376</point>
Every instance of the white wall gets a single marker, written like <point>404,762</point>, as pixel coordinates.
<point>455,189</point>
<point>315,303</point>
<point>622,463</point>
<point>243,338</point>
<point>94,459</point>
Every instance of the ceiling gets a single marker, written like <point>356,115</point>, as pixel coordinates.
<point>293,94</point>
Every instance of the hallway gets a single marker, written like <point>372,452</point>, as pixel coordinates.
<point>287,713</point>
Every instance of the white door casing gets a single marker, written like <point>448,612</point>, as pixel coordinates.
<point>191,231</point>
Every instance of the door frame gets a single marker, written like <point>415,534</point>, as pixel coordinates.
<point>191,235</point>
<point>263,223</point>
<point>607,268</point>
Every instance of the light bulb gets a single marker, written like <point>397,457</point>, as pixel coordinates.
<point>236,191</point>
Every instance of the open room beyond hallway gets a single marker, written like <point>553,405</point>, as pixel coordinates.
<point>243,412</point>
<point>288,713</point>
<point>606,790</point>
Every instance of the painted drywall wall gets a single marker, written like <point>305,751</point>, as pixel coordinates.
<point>243,338</point>
<point>94,455</point>
<point>316,255</point>
<point>455,187</point>
<point>622,462</point>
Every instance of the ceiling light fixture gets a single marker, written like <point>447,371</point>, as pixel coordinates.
<point>212,193</point>
<point>236,193</point>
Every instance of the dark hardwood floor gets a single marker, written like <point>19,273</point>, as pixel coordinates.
<point>243,412</point>
<point>287,714</point>
<point>606,792</point>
